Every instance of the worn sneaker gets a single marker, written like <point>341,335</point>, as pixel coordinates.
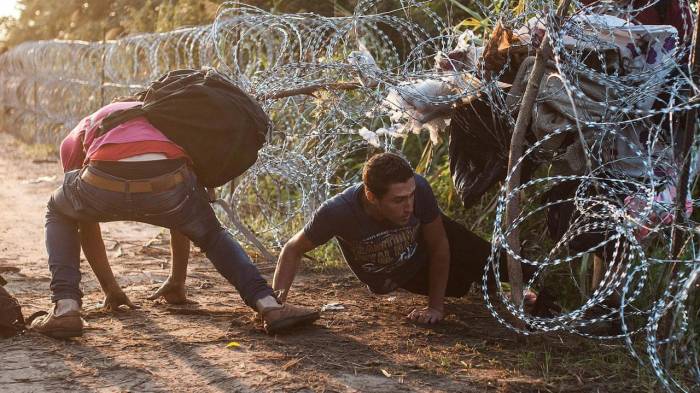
<point>276,319</point>
<point>64,326</point>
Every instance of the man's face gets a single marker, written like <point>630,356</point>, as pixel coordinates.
<point>396,206</point>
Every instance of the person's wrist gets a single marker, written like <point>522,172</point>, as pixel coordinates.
<point>436,305</point>
<point>176,279</point>
<point>113,289</point>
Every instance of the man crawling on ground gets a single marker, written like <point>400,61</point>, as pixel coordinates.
<point>392,235</point>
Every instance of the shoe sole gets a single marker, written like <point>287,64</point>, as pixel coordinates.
<point>62,333</point>
<point>289,322</point>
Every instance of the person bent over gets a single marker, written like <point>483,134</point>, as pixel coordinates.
<point>135,173</point>
<point>392,235</point>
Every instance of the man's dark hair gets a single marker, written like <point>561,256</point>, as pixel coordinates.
<point>384,169</point>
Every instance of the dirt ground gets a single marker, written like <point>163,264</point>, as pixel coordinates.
<point>367,346</point>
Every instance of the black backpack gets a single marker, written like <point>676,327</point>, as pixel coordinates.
<point>11,319</point>
<point>219,126</point>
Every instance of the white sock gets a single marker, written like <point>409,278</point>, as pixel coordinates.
<point>268,302</point>
<point>64,306</point>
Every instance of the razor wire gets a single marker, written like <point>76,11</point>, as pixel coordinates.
<point>373,77</point>
<point>623,201</point>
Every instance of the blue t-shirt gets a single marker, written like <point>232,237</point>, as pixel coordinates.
<point>381,255</point>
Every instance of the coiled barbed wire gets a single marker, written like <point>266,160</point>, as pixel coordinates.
<point>374,76</point>
<point>616,202</point>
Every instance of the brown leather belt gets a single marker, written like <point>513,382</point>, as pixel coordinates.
<point>154,184</point>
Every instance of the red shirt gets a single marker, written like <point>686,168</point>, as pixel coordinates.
<point>134,137</point>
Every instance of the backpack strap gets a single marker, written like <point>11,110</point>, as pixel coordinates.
<point>116,118</point>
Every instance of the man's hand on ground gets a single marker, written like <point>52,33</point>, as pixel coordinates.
<point>426,315</point>
<point>173,292</point>
<point>114,300</point>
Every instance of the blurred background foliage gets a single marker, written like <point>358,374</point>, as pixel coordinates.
<point>93,20</point>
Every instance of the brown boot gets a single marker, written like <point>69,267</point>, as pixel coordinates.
<point>276,319</point>
<point>64,326</point>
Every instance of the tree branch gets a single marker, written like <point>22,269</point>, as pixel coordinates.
<point>544,52</point>
<point>310,90</point>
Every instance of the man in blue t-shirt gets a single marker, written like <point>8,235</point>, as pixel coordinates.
<point>392,235</point>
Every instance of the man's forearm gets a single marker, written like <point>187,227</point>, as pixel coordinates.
<point>286,270</point>
<point>439,272</point>
<point>94,249</point>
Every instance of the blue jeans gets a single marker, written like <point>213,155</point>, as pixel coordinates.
<point>184,207</point>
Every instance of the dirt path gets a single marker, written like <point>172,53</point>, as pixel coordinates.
<point>367,346</point>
